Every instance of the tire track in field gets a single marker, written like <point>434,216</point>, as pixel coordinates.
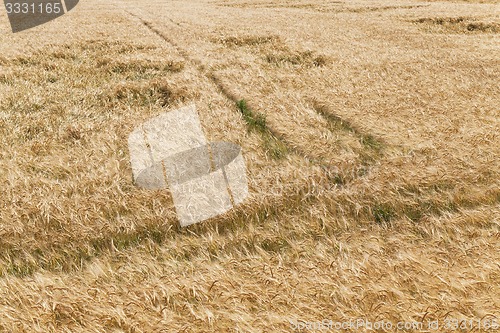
<point>60,257</point>
<point>373,148</point>
<point>231,96</point>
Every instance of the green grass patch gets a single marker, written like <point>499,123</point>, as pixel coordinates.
<point>275,147</point>
<point>254,121</point>
<point>383,213</point>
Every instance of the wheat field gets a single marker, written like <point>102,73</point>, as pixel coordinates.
<point>371,136</point>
